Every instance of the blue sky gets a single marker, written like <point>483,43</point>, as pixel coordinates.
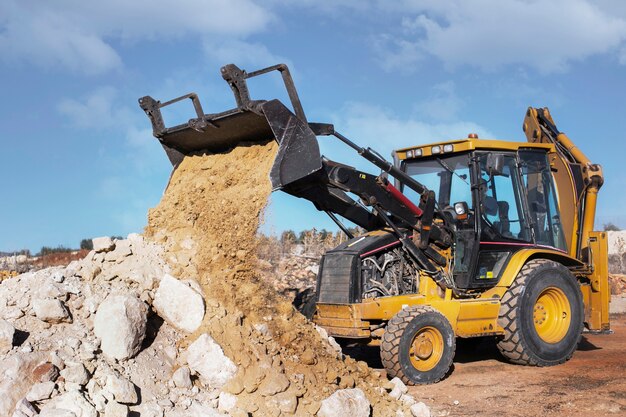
<point>78,159</point>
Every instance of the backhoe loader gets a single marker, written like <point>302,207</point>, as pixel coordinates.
<point>464,238</point>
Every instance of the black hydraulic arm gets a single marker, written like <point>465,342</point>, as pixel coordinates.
<point>375,158</point>
<point>427,197</point>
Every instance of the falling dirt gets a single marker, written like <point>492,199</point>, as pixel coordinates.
<point>208,220</point>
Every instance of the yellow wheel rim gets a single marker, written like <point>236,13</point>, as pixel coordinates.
<point>552,315</point>
<point>426,349</point>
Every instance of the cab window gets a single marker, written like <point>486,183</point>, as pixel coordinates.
<point>500,200</point>
<point>447,176</point>
<point>542,201</point>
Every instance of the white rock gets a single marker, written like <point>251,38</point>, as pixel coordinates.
<point>40,391</point>
<point>398,388</point>
<point>115,409</point>
<point>58,277</point>
<point>197,409</point>
<point>121,251</point>
<point>56,412</point>
<point>345,402</point>
<point>72,401</point>
<point>149,409</point>
<point>51,311</point>
<point>102,244</point>
<point>50,289</point>
<point>18,413</point>
<point>88,271</point>
<point>420,410</point>
<point>179,304</point>
<point>122,389</point>
<point>331,340</point>
<point>207,359</point>
<point>182,377</point>
<point>226,402</point>
<point>75,373</point>
<point>14,378</point>
<point>7,331</point>
<point>314,269</point>
<point>25,408</point>
<point>120,323</point>
<point>407,400</point>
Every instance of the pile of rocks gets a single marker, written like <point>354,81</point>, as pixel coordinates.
<point>99,337</point>
<point>116,333</point>
<point>617,251</point>
<point>291,274</point>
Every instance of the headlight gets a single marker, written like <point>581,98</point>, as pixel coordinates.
<point>417,152</point>
<point>460,208</point>
<point>435,149</point>
<point>409,154</point>
<point>448,148</point>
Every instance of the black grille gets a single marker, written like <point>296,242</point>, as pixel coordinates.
<point>338,281</point>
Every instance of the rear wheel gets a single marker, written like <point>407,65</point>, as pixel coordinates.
<point>542,315</point>
<point>418,346</point>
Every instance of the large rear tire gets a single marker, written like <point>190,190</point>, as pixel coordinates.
<point>542,315</point>
<point>418,346</point>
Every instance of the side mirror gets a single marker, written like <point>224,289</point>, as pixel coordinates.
<point>495,164</point>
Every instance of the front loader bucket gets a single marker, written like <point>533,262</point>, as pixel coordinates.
<point>207,133</point>
<point>251,122</point>
<point>298,152</point>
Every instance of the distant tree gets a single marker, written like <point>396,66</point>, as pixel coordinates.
<point>611,227</point>
<point>117,237</point>
<point>288,236</point>
<point>86,244</point>
<point>47,250</point>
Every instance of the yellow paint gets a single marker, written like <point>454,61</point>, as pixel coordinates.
<point>464,145</point>
<point>599,294</point>
<point>552,315</point>
<point>426,349</point>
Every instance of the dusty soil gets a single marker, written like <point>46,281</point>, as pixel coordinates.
<point>482,383</point>
<point>208,220</point>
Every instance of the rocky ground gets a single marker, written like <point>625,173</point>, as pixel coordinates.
<point>115,334</point>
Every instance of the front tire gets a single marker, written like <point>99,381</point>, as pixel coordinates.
<point>305,302</point>
<point>542,315</point>
<point>418,346</point>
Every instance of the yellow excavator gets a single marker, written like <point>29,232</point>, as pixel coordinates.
<point>463,238</point>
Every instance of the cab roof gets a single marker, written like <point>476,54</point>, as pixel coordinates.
<point>470,144</point>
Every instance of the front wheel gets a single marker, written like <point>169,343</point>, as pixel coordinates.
<point>542,315</point>
<point>418,346</point>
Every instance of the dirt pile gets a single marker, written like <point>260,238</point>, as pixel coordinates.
<point>207,221</point>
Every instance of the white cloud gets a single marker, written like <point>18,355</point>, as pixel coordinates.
<point>491,34</point>
<point>443,104</point>
<point>78,35</point>
<point>99,109</point>
<point>242,53</point>
<point>378,128</point>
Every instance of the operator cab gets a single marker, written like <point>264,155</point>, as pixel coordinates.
<point>509,196</point>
